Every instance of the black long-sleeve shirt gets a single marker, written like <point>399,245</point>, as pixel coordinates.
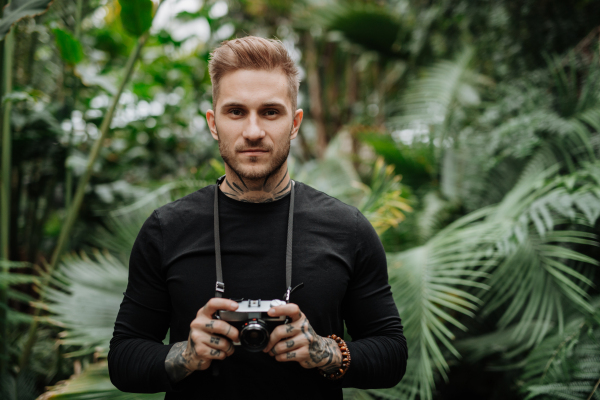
<point>336,254</point>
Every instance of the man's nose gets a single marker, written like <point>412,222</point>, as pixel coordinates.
<point>253,130</point>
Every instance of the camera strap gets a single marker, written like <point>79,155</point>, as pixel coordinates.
<point>220,286</point>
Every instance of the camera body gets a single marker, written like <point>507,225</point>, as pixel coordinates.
<point>253,322</point>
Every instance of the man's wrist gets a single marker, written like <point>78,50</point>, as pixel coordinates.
<point>340,362</point>
<point>178,363</point>
<point>333,362</point>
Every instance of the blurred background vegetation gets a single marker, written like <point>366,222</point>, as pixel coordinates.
<point>467,131</point>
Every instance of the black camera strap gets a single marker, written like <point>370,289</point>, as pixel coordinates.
<point>220,286</point>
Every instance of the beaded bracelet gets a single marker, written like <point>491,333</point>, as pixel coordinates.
<point>345,359</point>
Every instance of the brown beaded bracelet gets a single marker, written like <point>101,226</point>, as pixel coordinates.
<point>345,359</point>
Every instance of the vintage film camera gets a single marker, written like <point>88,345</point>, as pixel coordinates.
<point>253,322</point>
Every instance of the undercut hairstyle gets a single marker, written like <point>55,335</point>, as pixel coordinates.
<point>254,53</point>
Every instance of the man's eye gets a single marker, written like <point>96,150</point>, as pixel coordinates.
<point>271,113</point>
<point>236,112</point>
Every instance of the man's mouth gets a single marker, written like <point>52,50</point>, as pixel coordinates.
<point>254,152</point>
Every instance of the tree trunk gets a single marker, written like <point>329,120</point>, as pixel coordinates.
<point>314,91</point>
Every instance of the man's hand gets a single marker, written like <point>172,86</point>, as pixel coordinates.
<point>209,339</point>
<point>297,341</point>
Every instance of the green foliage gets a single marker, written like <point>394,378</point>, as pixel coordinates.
<point>413,162</point>
<point>70,48</point>
<point>94,384</point>
<point>371,26</point>
<point>383,204</point>
<point>86,300</point>
<point>17,273</point>
<point>566,365</point>
<point>16,10</point>
<point>136,16</point>
<point>502,175</point>
<point>430,285</point>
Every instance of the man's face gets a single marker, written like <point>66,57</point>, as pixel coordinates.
<point>254,122</point>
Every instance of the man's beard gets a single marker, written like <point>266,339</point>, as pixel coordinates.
<point>279,155</point>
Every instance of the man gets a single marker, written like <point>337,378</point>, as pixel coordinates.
<point>335,254</point>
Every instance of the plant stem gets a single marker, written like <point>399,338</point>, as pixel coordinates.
<point>68,171</point>
<point>314,91</point>
<point>594,391</point>
<point>78,16</point>
<point>78,199</point>
<point>5,197</point>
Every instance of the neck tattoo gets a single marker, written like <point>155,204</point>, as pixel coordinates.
<point>269,189</point>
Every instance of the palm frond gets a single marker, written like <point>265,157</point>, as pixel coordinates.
<point>356,394</point>
<point>162,195</point>
<point>432,216</point>
<point>93,384</point>
<point>87,299</point>
<point>431,287</point>
<point>14,274</point>
<point>566,365</point>
<point>536,277</point>
<point>531,267</point>
<point>123,224</point>
<point>502,341</point>
<point>383,204</point>
<point>430,99</point>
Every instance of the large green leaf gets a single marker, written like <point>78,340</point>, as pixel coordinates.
<point>69,47</point>
<point>19,9</point>
<point>373,27</point>
<point>136,16</point>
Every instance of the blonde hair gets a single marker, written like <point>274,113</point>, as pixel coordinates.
<point>252,52</point>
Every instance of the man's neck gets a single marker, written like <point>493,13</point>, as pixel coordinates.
<point>264,190</point>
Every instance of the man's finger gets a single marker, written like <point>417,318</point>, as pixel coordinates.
<point>216,327</point>
<point>290,310</point>
<point>288,345</point>
<point>295,355</point>
<point>215,304</point>
<point>219,343</point>
<point>282,332</point>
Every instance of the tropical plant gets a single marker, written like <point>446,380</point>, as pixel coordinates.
<point>489,112</point>
<point>566,364</point>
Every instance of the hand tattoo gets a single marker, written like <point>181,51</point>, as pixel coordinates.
<point>291,356</point>
<point>210,325</point>
<point>215,340</point>
<point>178,363</point>
<point>215,352</point>
<point>289,343</point>
<point>288,328</point>
<point>324,353</point>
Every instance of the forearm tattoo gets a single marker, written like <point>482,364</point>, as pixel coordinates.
<point>179,362</point>
<point>324,353</point>
<point>263,192</point>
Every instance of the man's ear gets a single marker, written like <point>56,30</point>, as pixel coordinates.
<point>212,124</point>
<point>297,121</point>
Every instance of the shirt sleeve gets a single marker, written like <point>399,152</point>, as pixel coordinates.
<point>378,347</point>
<point>136,357</point>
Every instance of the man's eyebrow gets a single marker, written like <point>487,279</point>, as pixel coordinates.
<point>273,104</point>
<point>268,104</point>
<point>233,104</point>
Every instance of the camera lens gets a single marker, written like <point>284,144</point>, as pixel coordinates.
<point>254,335</point>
